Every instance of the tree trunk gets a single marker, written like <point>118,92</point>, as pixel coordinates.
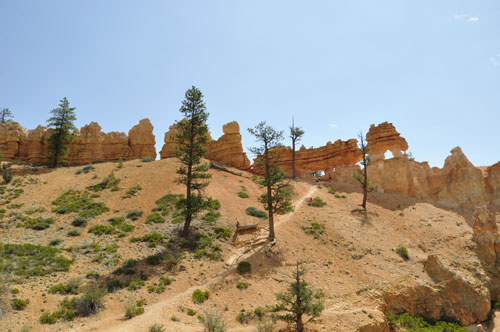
<point>189,203</point>
<point>365,180</point>
<point>300,325</point>
<point>269,196</point>
<point>293,159</point>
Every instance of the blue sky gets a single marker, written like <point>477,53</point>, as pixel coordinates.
<point>430,67</point>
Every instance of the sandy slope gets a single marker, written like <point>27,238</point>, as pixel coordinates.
<point>354,261</point>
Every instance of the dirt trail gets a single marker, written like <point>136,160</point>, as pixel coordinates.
<point>154,313</point>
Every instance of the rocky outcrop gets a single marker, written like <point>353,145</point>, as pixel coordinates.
<point>325,158</point>
<point>458,184</point>
<point>382,138</point>
<point>485,234</point>
<point>89,144</point>
<point>227,150</point>
<point>447,296</point>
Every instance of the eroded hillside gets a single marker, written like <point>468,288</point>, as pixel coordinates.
<point>353,258</point>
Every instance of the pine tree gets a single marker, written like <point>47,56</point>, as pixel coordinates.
<point>191,146</point>
<point>5,115</point>
<point>62,122</point>
<point>299,302</point>
<point>277,198</point>
<point>296,134</point>
<point>362,175</point>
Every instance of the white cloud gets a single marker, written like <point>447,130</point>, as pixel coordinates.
<point>466,18</point>
<point>333,125</point>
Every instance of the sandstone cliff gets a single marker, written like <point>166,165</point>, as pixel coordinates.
<point>227,150</point>
<point>89,144</point>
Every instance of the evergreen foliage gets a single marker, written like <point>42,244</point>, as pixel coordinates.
<point>191,146</point>
<point>62,122</point>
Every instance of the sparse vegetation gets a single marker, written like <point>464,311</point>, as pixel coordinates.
<point>133,191</point>
<point>39,223</point>
<point>111,181</point>
<point>101,229</point>
<point>80,202</point>
<point>91,301</point>
<point>147,159</point>
<point>19,304</point>
<point>403,252</point>
<point>315,230</point>
<point>157,328</point>
<point>74,232</point>
<point>134,308</point>
<point>134,214</point>
<point>244,267</point>
<point>242,285</point>
<point>409,323</point>
<point>332,190</point>
<point>155,218</point>
<point>223,232</point>
<point>85,170</point>
<point>212,321</point>
<point>153,239</point>
<point>79,222</point>
<point>254,212</point>
<point>31,260</point>
<point>70,288</point>
<point>200,296</point>
<point>316,202</point>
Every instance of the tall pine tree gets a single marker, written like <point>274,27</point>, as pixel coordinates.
<point>277,198</point>
<point>5,115</point>
<point>192,140</point>
<point>62,122</point>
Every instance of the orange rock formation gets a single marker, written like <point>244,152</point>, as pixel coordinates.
<point>227,150</point>
<point>89,144</point>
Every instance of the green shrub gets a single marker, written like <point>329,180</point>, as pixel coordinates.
<point>167,203</point>
<point>31,260</point>
<point>315,230</point>
<point>213,322</point>
<point>251,211</point>
<point>332,190</point>
<point>411,323</point>
<point>109,182</point>
<point>6,175</point>
<point>199,296</point>
<point>155,218</point>
<point>71,287</point>
<point>244,267</point>
<point>223,232</point>
<point>18,304</point>
<point>211,216</point>
<point>242,285</point>
<point>154,259</point>
<point>74,232</point>
<point>316,202</point>
<point>152,239</point>
<point>403,252</point>
<point>90,302</point>
<point>190,312</point>
<point>101,229</point>
<point>48,318</point>
<point>243,194</point>
<point>85,170</point>
<point>134,214</point>
<point>79,222</point>
<point>39,223</point>
<point>340,196</point>
<point>134,308</point>
<point>80,202</point>
<point>244,317</point>
<point>133,191</point>
<point>55,242</point>
<point>147,159</point>
<point>157,328</point>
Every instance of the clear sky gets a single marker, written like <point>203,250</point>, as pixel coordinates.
<point>430,67</point>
